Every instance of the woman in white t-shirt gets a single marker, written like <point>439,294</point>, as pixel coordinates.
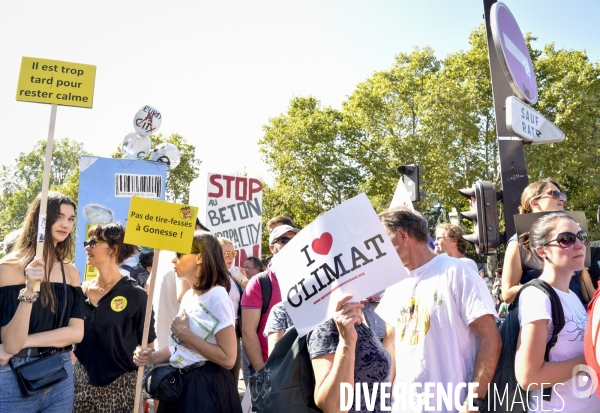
<point>203,342</point>
<point>558,241</point>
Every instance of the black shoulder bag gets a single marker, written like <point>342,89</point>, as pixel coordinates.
<point>47,370</point>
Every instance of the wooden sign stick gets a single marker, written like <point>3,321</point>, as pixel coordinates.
<point>138,407</point>
<point>41,235</point>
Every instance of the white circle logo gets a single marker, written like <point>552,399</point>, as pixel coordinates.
<point>585,381</point>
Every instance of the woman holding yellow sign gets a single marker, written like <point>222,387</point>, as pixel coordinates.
<point>202,345</point>
<point>105,376</point>
<point>38,329</point>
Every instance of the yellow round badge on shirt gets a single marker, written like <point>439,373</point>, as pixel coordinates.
<point>118,303</point>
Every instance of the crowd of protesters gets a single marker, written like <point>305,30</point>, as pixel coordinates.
<point>215,319</point>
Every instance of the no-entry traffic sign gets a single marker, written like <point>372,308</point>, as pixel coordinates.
<point>513,53</point>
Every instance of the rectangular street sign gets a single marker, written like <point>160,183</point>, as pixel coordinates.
<point>529,124</point>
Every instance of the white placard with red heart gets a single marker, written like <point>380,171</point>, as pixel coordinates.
<point>344,251</point>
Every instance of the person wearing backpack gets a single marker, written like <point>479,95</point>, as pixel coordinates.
<point>345,349</point>
<point>305,374</point>
<point>560,244</point>
<point>255,306</point>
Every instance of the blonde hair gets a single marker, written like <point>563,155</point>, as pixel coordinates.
<point>533,191</point>
<point>455,232</point>
<point>224,241</point>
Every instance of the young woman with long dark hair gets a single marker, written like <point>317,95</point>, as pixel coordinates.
<point>203,341</point>
<point>36,325</point>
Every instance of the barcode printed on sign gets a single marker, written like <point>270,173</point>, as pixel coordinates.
<point>147,186</point>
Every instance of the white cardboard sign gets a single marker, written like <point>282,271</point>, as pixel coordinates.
<point>234,211</point>
<point>401,196</point>
<point>344,251</point>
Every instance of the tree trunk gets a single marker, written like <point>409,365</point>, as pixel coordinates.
<point>492,264</point>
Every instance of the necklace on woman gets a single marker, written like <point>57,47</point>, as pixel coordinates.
<point>103,288</point>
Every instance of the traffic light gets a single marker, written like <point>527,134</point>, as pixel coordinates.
<point>484,214</point>
<point>412,181</point>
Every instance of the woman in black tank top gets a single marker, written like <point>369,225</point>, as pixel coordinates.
<point>34,324</point>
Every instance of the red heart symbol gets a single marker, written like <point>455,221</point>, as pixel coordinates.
<point>322,245</point>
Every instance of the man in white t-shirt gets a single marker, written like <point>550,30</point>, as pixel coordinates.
<point>449,239</point>
<point>444,319</point>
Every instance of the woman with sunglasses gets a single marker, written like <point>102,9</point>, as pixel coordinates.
<point>202,342</point>
<point>38,324</point>
<point>105,375</point>
<point>235,293</point>
<point>519,267</point>
<point>559,244</point>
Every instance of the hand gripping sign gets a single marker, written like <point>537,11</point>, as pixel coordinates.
<point>344,251</point>
<point>161,225</point>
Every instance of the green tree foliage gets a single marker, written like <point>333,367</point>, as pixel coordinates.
<point>307,150</point>
<point>569,89</point>
<point>439,114</point>
<point>22,182</point>
<point>180,178</point>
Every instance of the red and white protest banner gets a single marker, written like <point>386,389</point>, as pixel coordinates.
<point>344,251</point>
<point>234,211</point>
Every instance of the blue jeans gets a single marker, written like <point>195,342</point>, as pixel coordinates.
<point>55,399</point>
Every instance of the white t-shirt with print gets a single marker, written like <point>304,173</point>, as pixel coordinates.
<point>208,314</point>
<point>535,305</point>
<point>431,311</point>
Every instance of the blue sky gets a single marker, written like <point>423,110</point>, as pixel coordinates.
<point>219,70</point>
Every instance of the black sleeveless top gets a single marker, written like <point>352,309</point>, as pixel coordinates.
<point>43,319</point>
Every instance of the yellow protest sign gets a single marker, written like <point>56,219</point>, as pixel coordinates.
<point>56,82</point>
<point>160,224</point>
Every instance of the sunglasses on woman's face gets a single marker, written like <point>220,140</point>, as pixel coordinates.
<point>555,194</point>
<point>91,244</point>
<point>230,254</point>
<point>180,254</point>
<point>568,239</point>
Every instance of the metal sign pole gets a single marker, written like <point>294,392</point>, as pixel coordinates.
<point>513,167</point>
